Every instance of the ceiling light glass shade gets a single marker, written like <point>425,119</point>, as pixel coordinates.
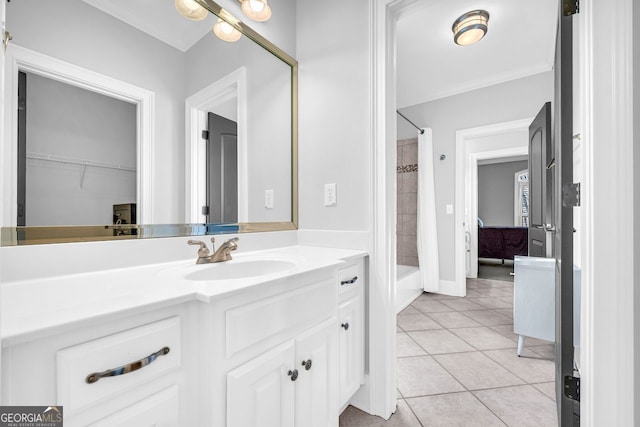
<point>191,10</point>
<point>257,10</point>
<point>470,27</point>
<point>225,31</point>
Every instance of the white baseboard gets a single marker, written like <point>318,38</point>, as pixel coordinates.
<point>343,239</point>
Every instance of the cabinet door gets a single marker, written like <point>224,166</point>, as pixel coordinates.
<point>159,410</point>
<point>260,393</point>
<point>351,348</point>
<point>317,386</point>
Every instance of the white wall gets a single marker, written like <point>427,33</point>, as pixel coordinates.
<point>335,112</point>
<point>496,192</point>
<point>69,122</point>
<point>75,32</point>
<point>513,100</point>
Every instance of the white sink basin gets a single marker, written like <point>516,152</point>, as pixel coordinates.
<point>239,269</point>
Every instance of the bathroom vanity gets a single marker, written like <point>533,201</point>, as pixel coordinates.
<point>247,345</point>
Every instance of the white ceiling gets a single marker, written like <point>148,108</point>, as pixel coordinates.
<point>520,42</point>
<point>159,19</point>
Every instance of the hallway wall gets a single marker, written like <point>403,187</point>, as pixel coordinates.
<point>513,100</point>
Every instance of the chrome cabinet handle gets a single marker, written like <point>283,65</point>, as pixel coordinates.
<point>349,282</point>
<point>306,364</point>
<point>130,367</point>
<point>345,325</point>
<point>293,374</point>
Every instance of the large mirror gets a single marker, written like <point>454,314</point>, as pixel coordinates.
<point>125,122</point>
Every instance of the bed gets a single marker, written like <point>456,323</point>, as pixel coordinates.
<point>502,242</point>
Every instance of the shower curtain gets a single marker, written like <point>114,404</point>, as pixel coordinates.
<point>427,225</point>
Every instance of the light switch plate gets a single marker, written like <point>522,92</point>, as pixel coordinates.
<point>268,199</point>
<point>330,195</point>
<point>449,209</point>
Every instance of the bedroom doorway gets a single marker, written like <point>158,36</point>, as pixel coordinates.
<point>503,141</point>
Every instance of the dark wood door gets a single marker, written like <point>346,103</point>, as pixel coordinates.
<point>222,170</point>
<point>564,202</point>
<point>540,181</point>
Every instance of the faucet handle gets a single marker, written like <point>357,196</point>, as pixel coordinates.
<point>203,251</point>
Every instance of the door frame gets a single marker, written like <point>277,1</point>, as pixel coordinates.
<point>466,190</point>
<point>19,58</point>
<point>197,106</point>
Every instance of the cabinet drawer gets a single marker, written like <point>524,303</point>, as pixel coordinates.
<point>260,321</point>
<point>349,278</point>
<point>136,356</point>
<point>158,410</point>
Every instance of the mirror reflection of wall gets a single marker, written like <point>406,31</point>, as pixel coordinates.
<point>76,155</point>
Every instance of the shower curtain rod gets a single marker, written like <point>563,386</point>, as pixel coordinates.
<point>412,124</point>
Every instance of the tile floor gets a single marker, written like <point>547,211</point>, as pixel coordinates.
<point>457,365</point>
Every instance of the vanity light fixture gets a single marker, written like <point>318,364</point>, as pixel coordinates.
<point>191,10</point>
<point>225,31</point>
<point>470,28</point>
<point>257,10</point>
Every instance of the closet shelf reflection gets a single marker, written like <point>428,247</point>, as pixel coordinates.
<point>73,161</point>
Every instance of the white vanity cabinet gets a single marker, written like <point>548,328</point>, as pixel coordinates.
<point>293,384</point>
<point>130,371</point>
<point>351,331</point>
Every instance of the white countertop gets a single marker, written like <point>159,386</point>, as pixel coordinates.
<point>33,308</point>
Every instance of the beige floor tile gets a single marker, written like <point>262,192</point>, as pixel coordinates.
<point>505,311</point>
<point>416,322</point>
<point>431,296</point>
<point>406,346</point>
<point>520,406</point>
<point>403,417</point>
<point>422,376</point>
<point>531,367</point>
<point>488,317</point>
<point>409,310</point>
<point>495,292</point>
<point>430,306</point>
<point>547,351</point>
<point>535,342</point>
<point>477,371</point>
<point>452,410</point>
<point>505,330</point>
<point>462,304</point>
<point>472,293</point>
<point>549,389</point>
<point>440,341</point>
<point>489,302</point>
<point>483,338</point>
<point>453,319</point>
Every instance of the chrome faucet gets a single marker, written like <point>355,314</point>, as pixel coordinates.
<point>222,254</point>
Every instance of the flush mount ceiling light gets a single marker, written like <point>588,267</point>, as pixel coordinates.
<point>226,31</point>
<point>471,27</point>
<point>257,10</point>
<point>191,10</point>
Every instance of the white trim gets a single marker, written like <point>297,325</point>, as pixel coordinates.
<point>233,85</point>
<point>22,59</point>
<point>607,216</point>
<point>466,192</point>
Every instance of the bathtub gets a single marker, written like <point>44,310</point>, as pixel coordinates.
<point>408,286</point>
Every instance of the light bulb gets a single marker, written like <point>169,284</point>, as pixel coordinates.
<point>225,31</point>
<point>257,10</point>
<point>191,10</point>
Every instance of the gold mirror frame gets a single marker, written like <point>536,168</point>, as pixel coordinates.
<point>13,236</point>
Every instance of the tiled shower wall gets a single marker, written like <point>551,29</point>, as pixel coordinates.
<point>407,207</point>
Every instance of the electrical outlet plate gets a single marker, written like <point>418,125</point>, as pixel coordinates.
<point>268,199</point>
<point>330,195</point>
